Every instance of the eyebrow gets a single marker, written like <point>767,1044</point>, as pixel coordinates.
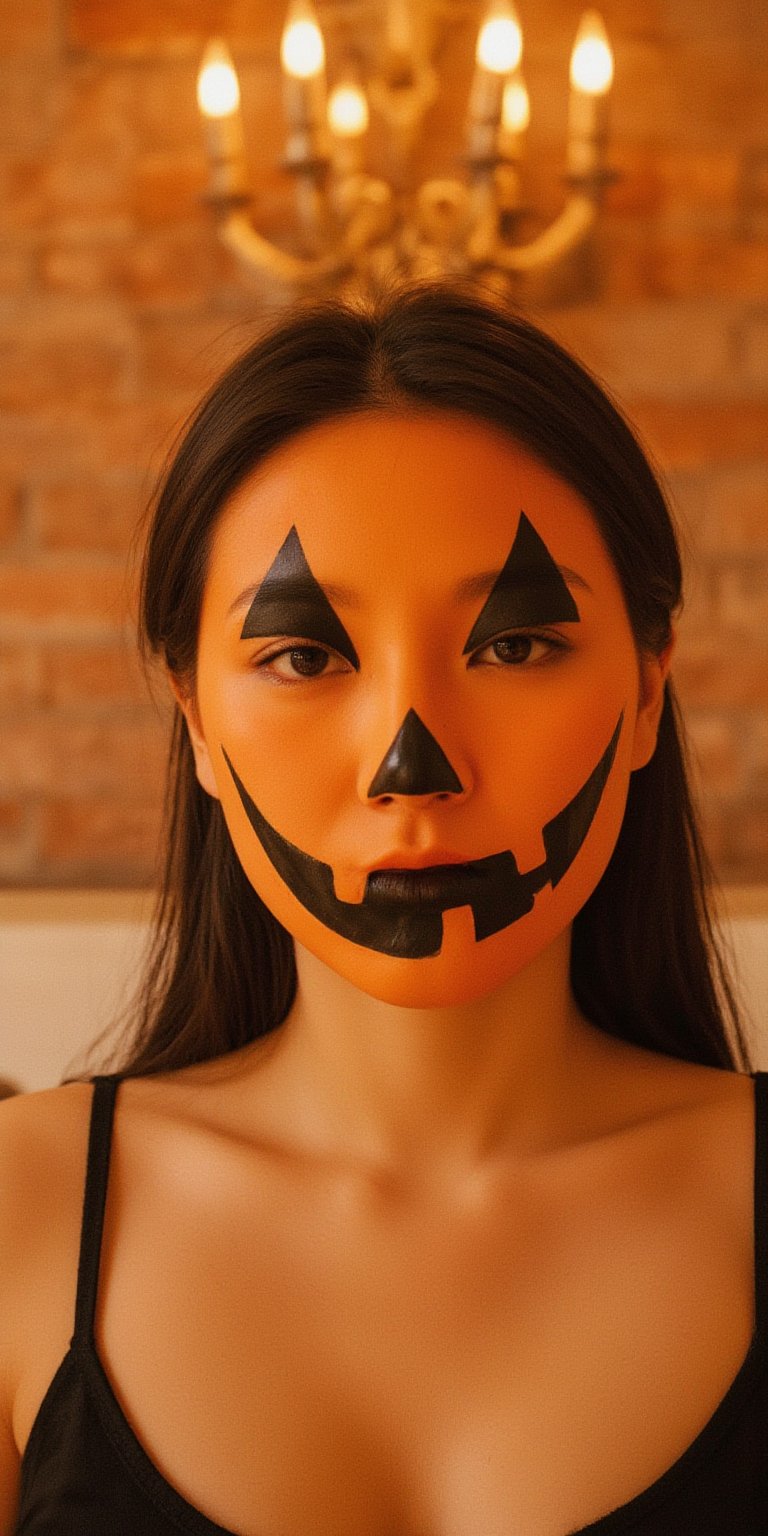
<point>471,587</point>
<point>483,583</point>
<point>287,588</point>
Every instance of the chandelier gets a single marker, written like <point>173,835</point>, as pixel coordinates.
<point>356,230</point>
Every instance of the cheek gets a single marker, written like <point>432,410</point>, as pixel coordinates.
<point>538,748</point>
<point>292,753</point>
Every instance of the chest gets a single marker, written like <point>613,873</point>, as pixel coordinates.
<point>294,1355</point>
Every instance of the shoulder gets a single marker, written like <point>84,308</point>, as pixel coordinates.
<point>43,1154</point>
<point>694,1121</point>
<point>703,1121</point>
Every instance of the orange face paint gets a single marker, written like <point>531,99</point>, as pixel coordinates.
<point>418,700</point>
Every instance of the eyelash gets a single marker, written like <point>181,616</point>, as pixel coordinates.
<point>557,644</point>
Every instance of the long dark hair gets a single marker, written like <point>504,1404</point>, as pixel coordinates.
<point>647,964</point>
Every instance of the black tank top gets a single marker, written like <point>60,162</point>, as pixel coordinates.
<point>84,1472</point>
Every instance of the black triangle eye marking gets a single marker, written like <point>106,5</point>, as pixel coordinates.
<point>528,590</point>
<point>291,602</point>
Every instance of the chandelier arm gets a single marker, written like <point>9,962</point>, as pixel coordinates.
<point>572,225</point>
<point>239,235</point>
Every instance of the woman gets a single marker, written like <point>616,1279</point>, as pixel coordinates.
<point>437,1201</point>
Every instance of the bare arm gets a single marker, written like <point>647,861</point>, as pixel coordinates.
<point>14,1227</point>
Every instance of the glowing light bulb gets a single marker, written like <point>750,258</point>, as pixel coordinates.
<point>302,50</point>
<point>592,57</point>
<point>218,90</point>
<point>500,40</point>
<point>348,110</point>
<point>515,107</point>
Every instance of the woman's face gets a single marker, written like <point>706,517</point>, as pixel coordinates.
<point>418,700</point>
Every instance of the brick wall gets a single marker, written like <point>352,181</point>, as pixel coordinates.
<point>118,305</point>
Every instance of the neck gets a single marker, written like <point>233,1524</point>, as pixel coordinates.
<point>434,1091</point>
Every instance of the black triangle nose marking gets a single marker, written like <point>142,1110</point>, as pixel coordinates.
<point>415,764</point>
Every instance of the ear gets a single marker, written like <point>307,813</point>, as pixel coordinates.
<point>203,766</point>
<point>653,676</point>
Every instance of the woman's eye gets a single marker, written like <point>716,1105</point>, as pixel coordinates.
<point>298,661</point>
<point>516,650</point>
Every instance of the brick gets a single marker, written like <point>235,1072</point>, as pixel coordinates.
<point>165,116</point>
<point>755,342</point>
<point>64,438</point>
<point>683,435</point>
<point>707,264</point>
<point>11,817</point>
<point>22,190</point>
<point>87,167</point>
<point>96,677</point>
<point>30,27</point>
<point>702,178</point>
<point>638,190</point>
<point>32,92</point>
<point>74,758</point>
<point>722,510</point>
<point>171,270</point>
<point>78,269</point>
<point>668,350</point>
<point>730,18</point>
<point>18,841</point>
<point>688,493</point>
<point>101,836</point>
<point>758,752</point>
<point>736,510</point>
<point>15,270</point>
<point>698,612</point>
<point>10,515</point>
<point>146,28</point>
<point>689,95</point>
<point>87,598</point>
<point>742,599</point>
<point>719,756</point>
<point>746,851</point>
<point>713,822</point>
<point>181,358</point>
<point>99,514</point>
<point>721,671</point>
<point>167,188</point>
<point>79,357</point>
<point>19,677</point>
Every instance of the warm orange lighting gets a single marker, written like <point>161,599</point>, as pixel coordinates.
<point>592,58</point>
<point>515,106</point>
<point>218,91</point>
<point>348,110</point>
<point>302,50</point>
<point>500,40</point>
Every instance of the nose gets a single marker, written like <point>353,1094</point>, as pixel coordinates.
<point>414,764</point>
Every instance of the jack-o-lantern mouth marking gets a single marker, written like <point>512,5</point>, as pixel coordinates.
<point>493,887</point>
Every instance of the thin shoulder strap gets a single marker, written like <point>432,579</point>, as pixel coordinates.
<point>761,1203</point>
<point>94,1204</point>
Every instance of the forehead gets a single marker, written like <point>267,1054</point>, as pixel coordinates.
<point>413,500</point>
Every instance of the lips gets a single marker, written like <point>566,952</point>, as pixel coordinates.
<point>402,925</point>
<point>438,885</point>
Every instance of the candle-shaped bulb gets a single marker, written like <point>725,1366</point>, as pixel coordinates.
<point>348,110</point>
<point>218,90</point>
<point>302,50</point>
<point>515,106</point>
<point>500,40</point>
<point>592,57</point>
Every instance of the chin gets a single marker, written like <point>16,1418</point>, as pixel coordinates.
<point>464,971</point>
